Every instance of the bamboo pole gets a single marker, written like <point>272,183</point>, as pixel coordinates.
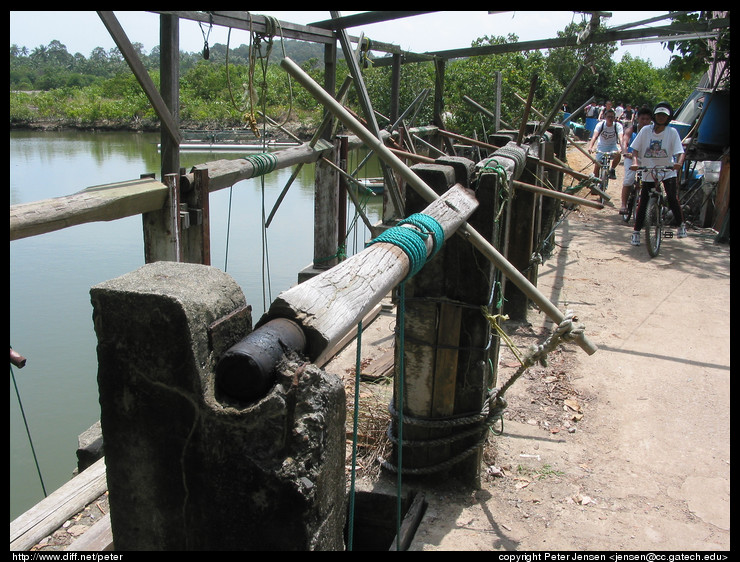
<point>429,195</point>
<point>557,194</point>
<point>527,107</point>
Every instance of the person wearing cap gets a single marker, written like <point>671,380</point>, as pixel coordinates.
<point>658,145</point>
<point>609,134</point>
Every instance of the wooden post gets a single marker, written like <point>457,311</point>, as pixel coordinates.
<point>162,230</point>
<point>342,206</point>
<point>197,236</point>
<point>169,40</point>
<point>522,214</point>
<point>447,345</point>
<point>326,204</point>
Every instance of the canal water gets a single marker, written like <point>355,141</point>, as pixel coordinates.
<point>51,275</point>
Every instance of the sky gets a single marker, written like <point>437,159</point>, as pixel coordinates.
<point>81,32</point>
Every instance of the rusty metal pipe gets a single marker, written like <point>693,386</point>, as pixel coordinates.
<point>246,371</point>
<point>17,359</point>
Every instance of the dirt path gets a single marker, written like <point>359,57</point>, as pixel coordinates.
<point>626,449</point>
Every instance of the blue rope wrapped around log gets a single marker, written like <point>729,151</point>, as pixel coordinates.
<point>413,240</point>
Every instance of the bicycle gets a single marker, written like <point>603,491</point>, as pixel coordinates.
<point>605,163</point>
<point>633,199</point>
<point>657,211</point>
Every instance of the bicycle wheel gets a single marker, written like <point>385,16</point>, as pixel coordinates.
<point>653,227</point>
<point>603,183</point>
<point>631,207</point>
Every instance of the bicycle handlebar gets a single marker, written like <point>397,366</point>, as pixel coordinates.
<point>655,170</point>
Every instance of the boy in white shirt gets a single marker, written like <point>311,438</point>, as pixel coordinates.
<point>656,145</point>
<point>608,133</point>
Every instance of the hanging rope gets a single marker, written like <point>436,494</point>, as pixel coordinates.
<point>28,431</point>
<point>206,50</point>
<point>355,424</point>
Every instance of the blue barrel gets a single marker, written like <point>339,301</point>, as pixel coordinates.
<point>565,117</point>
<point>714,130</point>
<point>591,123</point>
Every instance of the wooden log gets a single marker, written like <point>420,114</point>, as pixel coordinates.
<point>329,305</point>
<point>485,247</point>
<point>225,173</point>
<point>51,512</point>
<point>98,538</point>
<point>97,203</point>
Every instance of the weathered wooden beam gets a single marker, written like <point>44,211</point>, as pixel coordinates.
<point>256,23</point>
<point>553,43</point>
<point>225,173</point>
<point>326,307</point>
<point>51,512</point>
<point>98,203</point>
<point>428,194</point>
<point>330,304</point>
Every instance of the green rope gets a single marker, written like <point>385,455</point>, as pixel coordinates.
<point>340,254</point>
<point>350,532</point>
<point>412,240</point>
<point>399,448</point>
<point>503,182</point>
<point>262,163</point>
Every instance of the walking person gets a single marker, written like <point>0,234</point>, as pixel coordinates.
<point>644,118</point>
<point>608,133</point>
<point>658,145</point>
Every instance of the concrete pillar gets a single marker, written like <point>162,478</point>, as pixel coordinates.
<point>187,471</point>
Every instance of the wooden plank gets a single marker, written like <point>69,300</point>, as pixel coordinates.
<point>133,197</point>
<point>51,512</point>
<point>97,538</point>
<point>225,173</point>
<point>445,369</point>
<point>98,203</point>
<point>410,523</point>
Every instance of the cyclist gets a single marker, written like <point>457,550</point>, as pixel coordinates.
<point>656,145</point>
<point>644,117</point>
<point>608,133</point>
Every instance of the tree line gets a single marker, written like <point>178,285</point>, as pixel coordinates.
<point>232,85</point>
